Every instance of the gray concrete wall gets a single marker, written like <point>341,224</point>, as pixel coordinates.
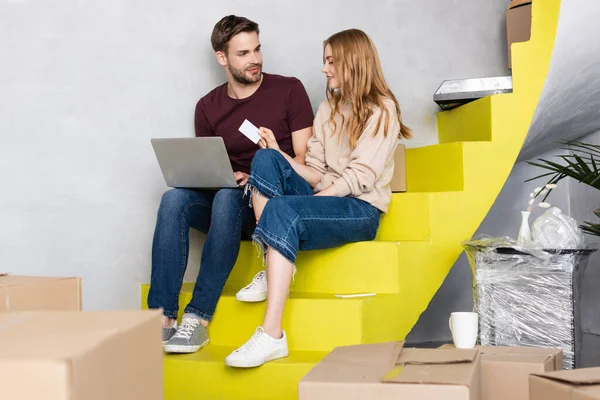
<point>570,100</point>
<point>85,85</point>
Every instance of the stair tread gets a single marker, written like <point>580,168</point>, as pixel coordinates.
<point>204,375</point>
<point>217,354</point>
<point>229,292</point>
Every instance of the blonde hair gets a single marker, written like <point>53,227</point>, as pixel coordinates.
<point>362,84</point>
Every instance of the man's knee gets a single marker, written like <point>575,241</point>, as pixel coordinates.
<point>174,199</point>
<point>229,198</point>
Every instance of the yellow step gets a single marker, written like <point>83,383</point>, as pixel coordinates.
<point>338,321</point>
<point>204,375</point>
<point>436,168</point>
<point>363,266</point>
<point>471,122</point>
<point>407,218</point>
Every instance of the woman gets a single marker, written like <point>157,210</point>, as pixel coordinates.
<point>338,196</point>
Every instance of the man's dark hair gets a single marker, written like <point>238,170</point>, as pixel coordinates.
<point>227,28</point>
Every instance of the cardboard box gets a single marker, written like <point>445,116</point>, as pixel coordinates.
<point>398,183</point>
<point>386,371</point>
<point>575,384</point>
<point>500,365</point>
<point>517,3</point>
<point>518,26</point>
<point>32,293</point>
<point>54,355</point>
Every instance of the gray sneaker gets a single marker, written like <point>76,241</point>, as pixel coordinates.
<point>190,337</point>
<point>169,332</point>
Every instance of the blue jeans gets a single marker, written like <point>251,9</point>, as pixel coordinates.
<point>294,219</point>
<point>223,215</point>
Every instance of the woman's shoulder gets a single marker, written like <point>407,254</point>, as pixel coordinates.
<point>324,107</point>
<point>323,111</point>
<point>388,104</point>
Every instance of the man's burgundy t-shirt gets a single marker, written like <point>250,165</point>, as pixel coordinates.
<point>280,104</point>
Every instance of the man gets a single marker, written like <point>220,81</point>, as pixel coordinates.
<point>278,103</point>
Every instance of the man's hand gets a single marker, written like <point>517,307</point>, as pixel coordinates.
<point>268,140</point>
<point>241,178</point>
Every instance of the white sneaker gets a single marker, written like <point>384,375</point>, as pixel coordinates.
<point>256,291</point>
<point>258,350</point>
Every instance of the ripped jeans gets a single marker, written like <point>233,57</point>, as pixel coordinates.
<point>295,219</point>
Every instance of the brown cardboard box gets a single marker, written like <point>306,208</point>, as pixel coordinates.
<point>60,355</point>
<point>32,293</point>
<point>575,384</point>
<point>398,183</point>
<point>518,26</point>
<point>517,3</point>
<point>500,365</point>
<point>386,371</point>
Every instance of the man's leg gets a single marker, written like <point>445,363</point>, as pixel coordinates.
<point>179,210</point>
<point>230,212</point>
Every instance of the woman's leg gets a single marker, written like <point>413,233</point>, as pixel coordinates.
<point>273,176</point>
<point>279,276</point>
<point>288,224</point>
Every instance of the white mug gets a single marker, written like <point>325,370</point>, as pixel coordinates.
<point>464,327</point>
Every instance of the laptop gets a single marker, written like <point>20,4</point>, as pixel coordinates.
<point>195,162</point>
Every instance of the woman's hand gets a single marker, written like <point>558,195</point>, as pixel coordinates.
<point>267,140</point>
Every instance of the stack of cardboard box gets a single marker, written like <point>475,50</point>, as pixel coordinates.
<point>51,350</point>
<point>390,371</point>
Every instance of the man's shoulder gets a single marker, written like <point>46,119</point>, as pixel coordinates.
<point>281,81</point>
<point>213,97</point>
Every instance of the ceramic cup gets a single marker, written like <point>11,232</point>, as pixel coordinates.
<point>464,327</point>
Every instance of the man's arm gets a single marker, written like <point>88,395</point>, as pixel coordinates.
<point>201,123</point>
<point>300,119</point>
<point>299,142</point>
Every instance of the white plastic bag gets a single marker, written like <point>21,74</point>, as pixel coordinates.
<point>555,230</point>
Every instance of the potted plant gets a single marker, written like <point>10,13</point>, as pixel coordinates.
<point>583,165</point>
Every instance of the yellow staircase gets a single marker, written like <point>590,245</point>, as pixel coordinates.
<point>451,186</point>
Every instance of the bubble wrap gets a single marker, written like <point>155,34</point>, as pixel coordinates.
<point>528,296</point>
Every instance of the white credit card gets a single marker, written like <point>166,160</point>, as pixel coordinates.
<point>250,131</point>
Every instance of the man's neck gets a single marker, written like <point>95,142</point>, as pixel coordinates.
<point>238,90</point>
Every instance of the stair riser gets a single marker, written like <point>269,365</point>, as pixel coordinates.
<point>339,322</point>
<point>356,267</point>
<point>215,381</point>
<point>437,168</point>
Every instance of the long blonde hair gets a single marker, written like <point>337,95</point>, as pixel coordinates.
<point>362,84</point>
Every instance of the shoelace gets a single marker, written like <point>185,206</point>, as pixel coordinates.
<point>257,278</point>
<point>254,342</point>
<point>187,327</point>
<point>263,275</point>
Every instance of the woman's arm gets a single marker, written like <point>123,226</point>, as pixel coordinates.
<point>368,160</point>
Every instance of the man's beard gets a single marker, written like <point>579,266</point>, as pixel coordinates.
<point>240,77</point>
